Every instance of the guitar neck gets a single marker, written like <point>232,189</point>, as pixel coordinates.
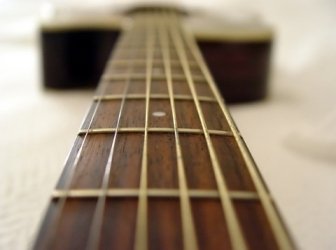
<point>158,162</point>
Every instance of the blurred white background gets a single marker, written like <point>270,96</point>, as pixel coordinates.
<point>292,134</point>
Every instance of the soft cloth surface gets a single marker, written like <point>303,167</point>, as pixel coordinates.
<point>291,135</point>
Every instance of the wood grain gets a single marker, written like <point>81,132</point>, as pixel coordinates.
<point>165,199</point>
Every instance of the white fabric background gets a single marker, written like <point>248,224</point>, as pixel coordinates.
<point>292,135</point>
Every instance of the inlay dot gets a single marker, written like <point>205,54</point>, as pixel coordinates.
<point>158,113</point>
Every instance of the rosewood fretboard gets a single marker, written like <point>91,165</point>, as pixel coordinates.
<point>158,162</point>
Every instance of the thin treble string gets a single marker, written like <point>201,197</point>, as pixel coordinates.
<point>141,233</point>
<point>235,232</point>
<point>188,227</point>
<point>96,225</point>
<point>283,240</point>
<point>67,184</point>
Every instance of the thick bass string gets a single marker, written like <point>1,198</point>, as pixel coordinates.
<point>182,179</point>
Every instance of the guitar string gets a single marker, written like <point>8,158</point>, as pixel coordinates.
<point>237,136</point>
<point>140,76</point>
<point>155,192</point>
<point>67,185</point>
<point>141,230</point>
<point>98,217</point>
<point>235,232</point>
<point>188,228</point>
<point>282,238</point>
<point>153,96</point>
<point>153,130</point>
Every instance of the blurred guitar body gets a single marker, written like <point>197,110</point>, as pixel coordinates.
<point>158,162</point>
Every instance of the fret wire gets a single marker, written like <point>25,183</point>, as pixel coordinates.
<point>188,227</point>
<point>153,130</point>
<point>61,204</point>
<point>141,231</point>
<point>122,62</point>
<point>235,233</point>
<point>153,192</point>
<point>111,77</point>
<point>282,239</point>
<point>96,225</point>
<point>153,96</point>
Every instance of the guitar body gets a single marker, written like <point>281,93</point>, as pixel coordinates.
<point>75,51</point>
<point>158,162</point>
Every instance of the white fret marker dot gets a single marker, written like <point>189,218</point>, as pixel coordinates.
<point>158,114</point>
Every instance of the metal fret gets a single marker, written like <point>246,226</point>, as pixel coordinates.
<point>136,62</point>
<point>189,234</point>
<point>167,193</point>
<point>153,96</point>
<point>283,241</point>
<point>235,232</point>
<point>149,179</point>
<point>96,225</point>
<point>141,231</point>
<point>61,205</point>
<point>152,130</point>
<point>138,76</point>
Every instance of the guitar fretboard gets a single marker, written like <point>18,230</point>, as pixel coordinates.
<point>158,162</point>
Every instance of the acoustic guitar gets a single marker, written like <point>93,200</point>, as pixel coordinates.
<point>158,162</point>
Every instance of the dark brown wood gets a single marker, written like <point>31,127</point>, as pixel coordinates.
<point>197,162</point>
<point>209,219</point>
<point>75,58</point>
<point>240,68</point>
<point>69,220</point>
<point>162,171</point>
<point>255,225</point>
<point>164,224</point>
<point>126,164</point>
<point>232,164</point>
<point>120,233</point>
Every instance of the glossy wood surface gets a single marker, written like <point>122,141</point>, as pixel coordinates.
<point>158,156</point>
<point>74,57</point>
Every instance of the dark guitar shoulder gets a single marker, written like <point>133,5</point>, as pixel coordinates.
<point>74,53</point>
